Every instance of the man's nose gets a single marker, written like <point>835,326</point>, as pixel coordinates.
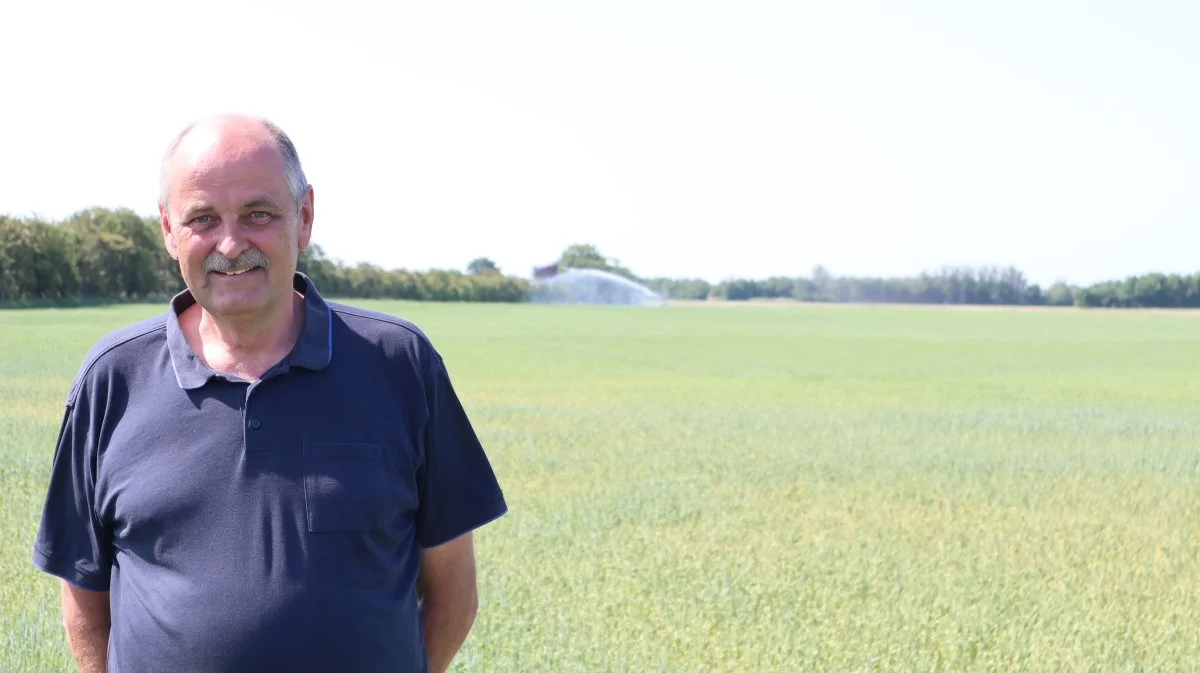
<point>233,241</point>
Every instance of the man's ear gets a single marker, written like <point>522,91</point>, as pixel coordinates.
<point>307,214</point>
<point>168,234</point>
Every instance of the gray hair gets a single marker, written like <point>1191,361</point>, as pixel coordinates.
<point>297,182</point>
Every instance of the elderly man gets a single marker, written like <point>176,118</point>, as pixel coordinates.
<point>258,479</point>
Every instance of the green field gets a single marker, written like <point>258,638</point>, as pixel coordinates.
<point>772,489</point>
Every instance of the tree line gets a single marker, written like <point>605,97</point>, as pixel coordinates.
<point>999,286</point>
<point>117,255</point>
<point>94,254</point>
<point>482,282</point>
<point>950,285</point>
<point>104,255</point>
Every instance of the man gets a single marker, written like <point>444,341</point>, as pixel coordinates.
<point>258,479</point>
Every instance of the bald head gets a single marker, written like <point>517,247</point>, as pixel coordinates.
<point>238,134</point>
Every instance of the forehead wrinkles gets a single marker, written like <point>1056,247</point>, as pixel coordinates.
<point>233,173</point>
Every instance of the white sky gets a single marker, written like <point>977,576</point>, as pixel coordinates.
<point>685,139</point>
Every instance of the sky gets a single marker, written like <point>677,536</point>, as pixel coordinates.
<point>684,139</point>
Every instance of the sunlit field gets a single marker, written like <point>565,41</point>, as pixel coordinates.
<point>771,489</point>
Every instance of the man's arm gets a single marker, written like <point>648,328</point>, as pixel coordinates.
<point>86,621</point>
<point>449,599</point>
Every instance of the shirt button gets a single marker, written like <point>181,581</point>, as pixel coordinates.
<point>255,424</point>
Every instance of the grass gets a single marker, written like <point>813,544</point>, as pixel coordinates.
<point>767,489</point>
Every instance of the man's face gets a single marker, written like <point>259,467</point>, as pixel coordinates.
<point>231,221</point>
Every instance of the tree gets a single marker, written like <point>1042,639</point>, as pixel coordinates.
<point>582,256</point>
<point>482,266</point>
<point>1060,294</point>
<point>737,289</point>
<point>324,273</point>
<point>586,256</point>
<point>37,261</point>
<point>680,288</point>
<point>120,255</point>
<point>820,288</point>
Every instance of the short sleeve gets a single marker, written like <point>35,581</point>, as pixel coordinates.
<point>71,541</point>
<point>457,485</point>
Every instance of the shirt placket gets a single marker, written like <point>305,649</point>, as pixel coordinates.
<point>252,422</point>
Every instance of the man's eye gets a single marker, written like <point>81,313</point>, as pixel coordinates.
<point>260,216</point>
<point>201,220</point>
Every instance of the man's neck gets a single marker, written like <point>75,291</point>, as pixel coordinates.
<point>245,347</point>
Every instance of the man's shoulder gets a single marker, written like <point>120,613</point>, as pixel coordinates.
<point>120,349</point>
<point>129,340</point>
<point>388,330</point>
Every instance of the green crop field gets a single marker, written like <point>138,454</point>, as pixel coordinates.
<point>772,488</point>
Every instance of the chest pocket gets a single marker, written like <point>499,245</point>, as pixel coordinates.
<point>346,486</point>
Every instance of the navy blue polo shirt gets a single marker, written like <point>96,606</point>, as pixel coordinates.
<point>273,525</point>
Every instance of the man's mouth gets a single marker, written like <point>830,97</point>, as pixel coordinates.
<point>236,272</point>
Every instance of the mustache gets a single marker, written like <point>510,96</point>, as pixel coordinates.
<point>247,260</point>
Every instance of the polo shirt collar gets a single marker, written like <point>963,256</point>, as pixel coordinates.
<point>313,349</point>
